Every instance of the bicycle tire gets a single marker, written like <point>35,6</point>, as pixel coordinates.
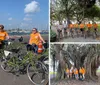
<point>4,66</point>
<point>36,73</point>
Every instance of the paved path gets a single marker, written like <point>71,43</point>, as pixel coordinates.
<point>10,79</point>
<point>75,82</point>
<point>80,39</point>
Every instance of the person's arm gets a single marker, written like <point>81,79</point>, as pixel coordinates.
<point>41,38</point>
<point>7,36</point>
<point>30,40</point>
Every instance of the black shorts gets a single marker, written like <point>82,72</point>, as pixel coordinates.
<point>65,29</point>
<point>59,30</point>
<point>95,29</point>
<point>2,44</point>
<point>81,29</point>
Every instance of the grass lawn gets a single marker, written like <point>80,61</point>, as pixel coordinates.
<point>51,73</point>
<point>98,70</point>
<point>99,27</point>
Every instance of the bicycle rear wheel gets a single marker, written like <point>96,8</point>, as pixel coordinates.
<point>37,73</point>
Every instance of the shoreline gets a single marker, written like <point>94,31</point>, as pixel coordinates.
<point>18,36</point>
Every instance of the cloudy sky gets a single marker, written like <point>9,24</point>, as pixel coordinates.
<point>24,14</point>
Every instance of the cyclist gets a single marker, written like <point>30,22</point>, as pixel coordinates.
<point>65,28</point>
<point>76,28</point>
<point>89,26</point>
<point>82,27</point>
<point>71,26</point>
<point>35,39</point>
<point>3,36</point>
<point>60,31</point>
<point>95,27</point>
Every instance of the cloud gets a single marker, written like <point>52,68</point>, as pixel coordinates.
<point>10,18</point>
<point>27,19</point>
<point>32,7</point>
<point>24,24</point>
<point>28,15</point>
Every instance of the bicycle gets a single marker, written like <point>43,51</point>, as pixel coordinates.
<point>19,64</point>
<point>95,34</point>
<point>72,31</point>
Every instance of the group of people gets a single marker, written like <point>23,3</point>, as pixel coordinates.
<point>36,41</point>
<point>75,73</point>
<point>81,27</point>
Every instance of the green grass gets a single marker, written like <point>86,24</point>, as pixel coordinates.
<point>99,27</point>
<point>53,73</point>
<point>98,70</point>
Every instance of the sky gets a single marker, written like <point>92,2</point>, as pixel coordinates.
<point>24,14</point>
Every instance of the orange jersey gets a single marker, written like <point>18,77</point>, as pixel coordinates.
<point>3,35</point>
<point>89,25</point>
<point>67,71</point>
<point>76,25</point>
<point>34,38</point>
<point>95,25</point>
<point>71,25</point>
<point>82,26</point>
<point>80,71</point>
<point>76,72</point>
<point>83,71</point>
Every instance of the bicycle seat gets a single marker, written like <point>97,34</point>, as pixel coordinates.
<point>15,50</point>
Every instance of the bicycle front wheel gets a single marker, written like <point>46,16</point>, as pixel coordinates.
<point>37,73</point>
<point>5,67</point>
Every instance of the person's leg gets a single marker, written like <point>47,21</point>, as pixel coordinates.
<point>36,49</point>
<point>63,33</point>
<point>79,75</point>
<point>95,30</point>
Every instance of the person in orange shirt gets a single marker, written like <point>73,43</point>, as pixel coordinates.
<point>76,26</point>
<point>95,26</point>
<point>3,36</point>
<point>80,73</point>
<point>67,72</point>
<point>82,27</point>
<point>83,72</point>
<point>89,26</point>
<point>34,40</point>
<point>76,73</point>
<point>71,26</point>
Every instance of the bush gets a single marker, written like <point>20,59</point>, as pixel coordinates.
<point>53,36</point>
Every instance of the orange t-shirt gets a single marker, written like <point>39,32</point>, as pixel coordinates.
<point>34,38</point>
<point>71,25</point>
<point>67,71</point>
<point>83,71</point>
<point>80,71</point>
<point>3,35</point>
<point>89,25</point>
<point>76,72</point>
<point>76,25</point>
<point>95,25</point>
<point>81,25</point>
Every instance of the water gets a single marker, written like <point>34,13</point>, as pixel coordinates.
<point>15,33</point>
